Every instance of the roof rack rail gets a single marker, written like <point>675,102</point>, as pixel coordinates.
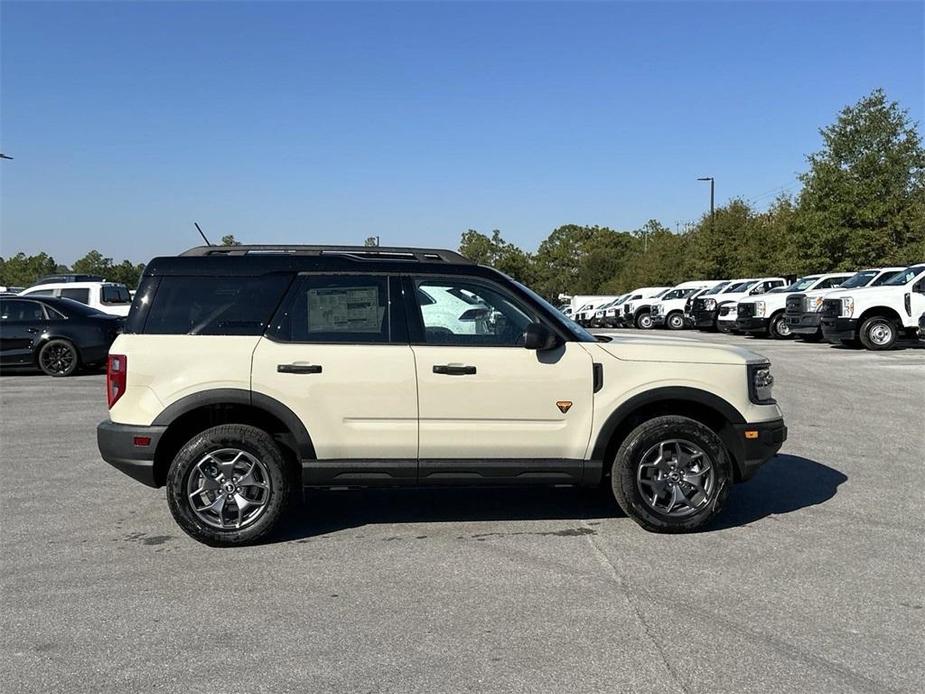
<point>421,255</point>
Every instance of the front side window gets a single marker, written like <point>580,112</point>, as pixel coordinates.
<point>214,305</point>
<point>829,283</point>
<point>904,276</point>
<point>884,278</point>
<point>338,308</point>
<point>81,295</point>
<point>494,320</point>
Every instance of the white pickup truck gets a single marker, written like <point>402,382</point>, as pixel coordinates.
<point>765,314</point>
<point>668,311</point>
<point>875,316</point>
<point>725,305</point>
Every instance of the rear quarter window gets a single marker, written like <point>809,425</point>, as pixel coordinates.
<point>214,305</point>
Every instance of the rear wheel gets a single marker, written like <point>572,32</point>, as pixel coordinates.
<point>878,333</point>
<point>229,485</point>
<point>675,321</point>
<point>671,474</point>
<point>644,321</point>
<point>778,328</point>
<point>58,358</point>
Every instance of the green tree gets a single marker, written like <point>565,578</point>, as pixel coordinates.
<point>126,273</point>
<point>21,270</point>
<point>371,241</point>
<point>863,198</point>
<point>94,263</point>
<point>229,240</point>
<point>495,252</point>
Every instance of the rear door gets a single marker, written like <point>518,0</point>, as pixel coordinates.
<point>490,409</point>
<point>337,355</point>
<point>21,323</point>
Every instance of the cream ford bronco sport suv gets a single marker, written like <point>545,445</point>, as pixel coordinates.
<point>245,373</point>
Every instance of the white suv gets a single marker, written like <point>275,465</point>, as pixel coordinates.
<point>108,297</point>
<point>875,316</point>
<point>246,373</point>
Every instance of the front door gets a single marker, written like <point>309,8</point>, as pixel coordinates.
<point>338,357</point>
<point>490,408</point>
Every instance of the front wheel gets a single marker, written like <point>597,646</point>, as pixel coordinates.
<point>878,333</point>
<point>229,485</point>
<point>671,474</point>
<point>58,358</point>
<point>675,321</point>
<point>644,321</point>
<point>779,328</point>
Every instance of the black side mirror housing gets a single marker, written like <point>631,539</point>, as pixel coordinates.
<point>537,336</point>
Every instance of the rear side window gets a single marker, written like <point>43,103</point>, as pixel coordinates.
<point>343,308</point>
<point>215,305</point>
<point>114,294</point>
<point>81,295</point>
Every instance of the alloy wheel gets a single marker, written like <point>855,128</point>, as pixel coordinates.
<point>676,478</point>
<point>228,489</point>
<point>57,358</point>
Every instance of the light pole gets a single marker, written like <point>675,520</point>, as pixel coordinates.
<point>712,198</point>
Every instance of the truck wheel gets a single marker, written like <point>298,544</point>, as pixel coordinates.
<point>58,358</point>
<point>675,321</point>
<point>878,333</point>
<point>778,328</point>
<point>671,474</point>
<point>228,485</point>
<point>644,321</point>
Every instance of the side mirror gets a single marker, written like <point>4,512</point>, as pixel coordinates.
<point>919,287</point>
<point>537,336</point>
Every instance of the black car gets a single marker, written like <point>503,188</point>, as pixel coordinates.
<point>55,335</point>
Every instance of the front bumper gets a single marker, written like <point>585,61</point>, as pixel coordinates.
<point>835,330</point>
<point>752,324</point>
<point>756,444</point>
<point>658,321</point>
<point>806,323</point>
<point>726,326</point>
<point>704,320</point>
<point>120,446</point>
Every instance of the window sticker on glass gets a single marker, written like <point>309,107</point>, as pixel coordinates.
<point>344,309</point>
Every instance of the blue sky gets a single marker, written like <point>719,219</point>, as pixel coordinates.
<point>326,123</point>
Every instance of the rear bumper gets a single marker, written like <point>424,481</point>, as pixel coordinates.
<point>804,323</point>
<point>837,329</point>
<point>118,447</point>
<point>767,439</point>
<point>752,324</point>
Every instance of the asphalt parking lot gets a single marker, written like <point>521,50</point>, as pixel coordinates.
<point>809,581</point>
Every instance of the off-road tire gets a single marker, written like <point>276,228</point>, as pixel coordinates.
<point>629,456</point>
<point>251,440</point>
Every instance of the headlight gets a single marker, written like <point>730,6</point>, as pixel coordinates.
<point>760,309</point>
<point>709,304</point>
<point>760,383</point>
<point>847,306</point>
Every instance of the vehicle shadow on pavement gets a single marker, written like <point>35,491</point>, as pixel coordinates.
<point>786,483</point>
<point>331,511</point>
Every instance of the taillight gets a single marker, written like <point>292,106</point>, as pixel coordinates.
<point>116,367</point>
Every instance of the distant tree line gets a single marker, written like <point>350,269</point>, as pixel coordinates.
<point>862,203</point>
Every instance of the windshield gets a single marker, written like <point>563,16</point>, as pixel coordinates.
<point>803,283</point>
<point>679,294</point>
<point>905,277</point>
<point>859,279</point>
<point>655,296</point>
<point>565,322</point>
<point>740,287</point>
<point>717,289</point>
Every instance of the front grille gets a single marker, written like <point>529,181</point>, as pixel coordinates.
<point>699,305</point>
<point>795,303</point>
<point>746,310</point>
<point>831,308</point>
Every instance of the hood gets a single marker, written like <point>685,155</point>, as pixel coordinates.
<point>868,293</point>
<point>683,350</point>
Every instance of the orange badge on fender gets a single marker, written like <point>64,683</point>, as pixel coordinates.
<point>563,405</point>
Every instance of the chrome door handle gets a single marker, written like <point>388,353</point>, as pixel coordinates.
<point>298,368</point>
<point>454,369</point>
